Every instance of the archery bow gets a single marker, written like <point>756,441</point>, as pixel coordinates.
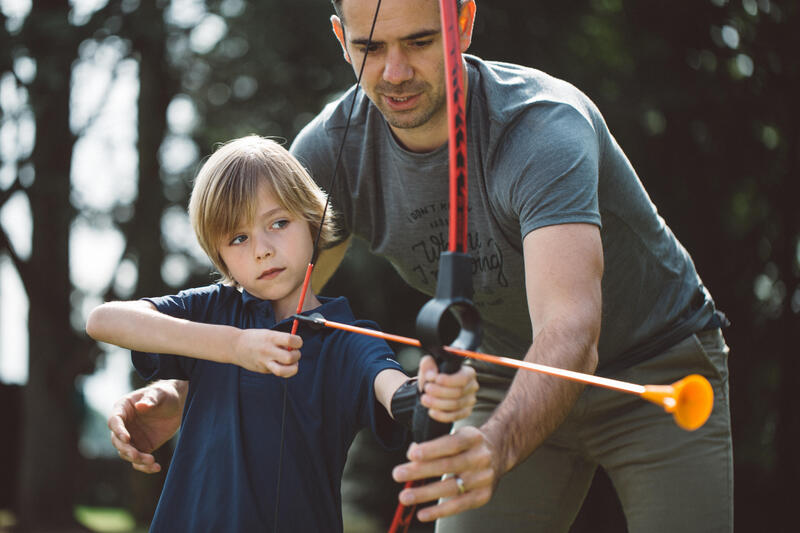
<point>454,280</point>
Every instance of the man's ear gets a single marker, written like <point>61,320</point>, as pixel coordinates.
<point>466,21</point>
<point>338,31</point>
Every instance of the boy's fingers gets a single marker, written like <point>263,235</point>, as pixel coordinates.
<point>293,342</point>
<point>283,371</point>
<point>442,404</point>
<point>449,415</point>
<point>462,378</point>
<point>427,371</point>
<point>285,357</point>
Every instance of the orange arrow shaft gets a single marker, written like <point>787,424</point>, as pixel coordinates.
<point>580,377</point>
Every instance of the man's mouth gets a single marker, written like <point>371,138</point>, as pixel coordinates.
<point>401,102</point>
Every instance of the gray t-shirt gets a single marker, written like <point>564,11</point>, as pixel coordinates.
<point>539,154</point>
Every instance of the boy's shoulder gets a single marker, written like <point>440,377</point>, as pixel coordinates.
<point>208,303</point>
<point>216,293</point>
<point>337,309</point>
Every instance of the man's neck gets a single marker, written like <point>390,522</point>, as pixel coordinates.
<point>423,139</point>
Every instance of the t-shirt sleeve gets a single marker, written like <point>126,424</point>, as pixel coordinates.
<point>314,149</point>
<point>366,357</point>
<point>554,178</point>
<point>190,305</point>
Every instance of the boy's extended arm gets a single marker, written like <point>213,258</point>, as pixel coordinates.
<point>137,325</point>
<point>449,397</point>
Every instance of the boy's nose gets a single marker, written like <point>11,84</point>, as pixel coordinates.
<point>263,248</point>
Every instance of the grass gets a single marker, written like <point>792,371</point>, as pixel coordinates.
<point>106,519</point>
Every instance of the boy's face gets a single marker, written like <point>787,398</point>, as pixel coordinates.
<point>269,255</point>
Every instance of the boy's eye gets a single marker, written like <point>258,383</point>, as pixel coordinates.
<point>280,224</point>
<point>239,239</point>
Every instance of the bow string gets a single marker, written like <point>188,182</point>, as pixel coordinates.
<point>315,255</point>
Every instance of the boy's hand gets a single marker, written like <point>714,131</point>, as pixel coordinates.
<point>268,352</point>
<point>449,397</point>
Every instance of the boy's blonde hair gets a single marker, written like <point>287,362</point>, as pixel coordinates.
<point>225,193</point>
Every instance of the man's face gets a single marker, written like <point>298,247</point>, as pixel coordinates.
<point>404,73</point>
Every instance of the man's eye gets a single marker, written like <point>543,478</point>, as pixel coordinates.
<point>421,44</point>
<point>372,48</point>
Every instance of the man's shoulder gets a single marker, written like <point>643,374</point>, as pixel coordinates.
<point>509,89</point>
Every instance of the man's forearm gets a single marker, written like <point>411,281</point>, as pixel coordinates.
<point>536,404</point>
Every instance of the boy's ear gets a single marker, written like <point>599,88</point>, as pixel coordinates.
<point>338,31</point>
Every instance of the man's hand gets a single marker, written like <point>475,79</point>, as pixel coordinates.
<point>449,397</point>
<point>466,454</point>
<point>144,419</point>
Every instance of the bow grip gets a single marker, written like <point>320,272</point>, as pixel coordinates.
<point>453,294</point>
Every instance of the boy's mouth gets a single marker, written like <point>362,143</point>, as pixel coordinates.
<point>271,273</point>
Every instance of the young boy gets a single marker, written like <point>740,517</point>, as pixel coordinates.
<point>255,212</point>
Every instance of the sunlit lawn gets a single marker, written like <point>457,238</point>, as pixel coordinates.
<point>107,519</point>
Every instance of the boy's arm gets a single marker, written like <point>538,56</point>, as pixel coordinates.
<point>449,397</point>
<point>137,325</point>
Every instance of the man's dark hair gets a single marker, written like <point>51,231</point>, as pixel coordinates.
<point>337,6</point>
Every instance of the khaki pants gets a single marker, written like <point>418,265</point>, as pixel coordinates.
<point>667,479</point>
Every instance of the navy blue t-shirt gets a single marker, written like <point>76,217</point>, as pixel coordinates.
<point>223,473</point>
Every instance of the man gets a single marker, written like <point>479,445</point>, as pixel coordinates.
<point>556,208</point>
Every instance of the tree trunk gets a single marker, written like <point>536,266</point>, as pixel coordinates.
<point>157,87</point>
<point>50,401</point>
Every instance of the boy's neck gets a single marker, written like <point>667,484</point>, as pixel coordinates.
<point>284,310</point>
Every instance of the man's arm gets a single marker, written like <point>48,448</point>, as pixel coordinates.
<point>144,419</point>
<point>564,269</point>
<point>563,272</point>
<point>327,263</point>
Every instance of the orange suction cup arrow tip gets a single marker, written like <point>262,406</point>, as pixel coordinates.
<point>689,400</point>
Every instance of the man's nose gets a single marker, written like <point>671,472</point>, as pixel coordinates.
<point>397,69</point>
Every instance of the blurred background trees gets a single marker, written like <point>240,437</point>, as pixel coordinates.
<point>107,107</point>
